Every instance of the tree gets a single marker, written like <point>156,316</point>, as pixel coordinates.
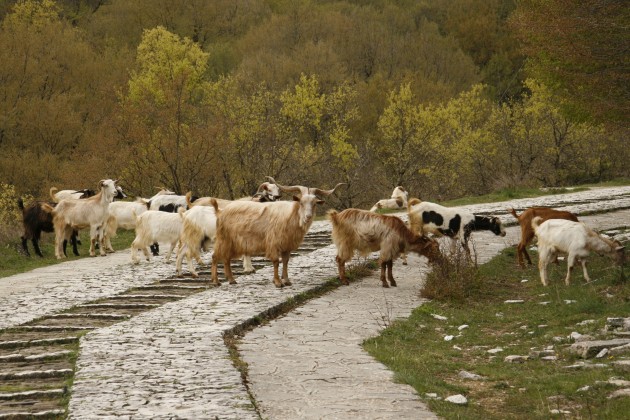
<point>163,113</point>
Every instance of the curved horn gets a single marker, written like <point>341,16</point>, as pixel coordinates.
<point>317,191</point>
<point>295,189</point>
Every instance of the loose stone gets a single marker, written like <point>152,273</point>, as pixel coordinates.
<point>457,399</point>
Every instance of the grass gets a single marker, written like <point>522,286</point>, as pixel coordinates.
<point>416,351</point>
<point>510,194</point>
<point>13,261</point>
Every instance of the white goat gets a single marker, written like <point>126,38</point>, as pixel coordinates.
<point>574,239</point>
<point>56,195</point>
<point>155,226</point>
<point>122,214</point>
<point>71,214</point>
<point>199,228</point>
<point>361,230</point>
<point>397,201</point>
<point>270,229</point>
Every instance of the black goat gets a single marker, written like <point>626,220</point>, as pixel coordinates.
<point>36,219</point>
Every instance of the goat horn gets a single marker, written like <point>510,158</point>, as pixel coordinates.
<point>297,189</point>
<point>317,191</point>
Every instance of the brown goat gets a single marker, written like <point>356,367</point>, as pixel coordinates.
<point>361,230</point>
<point>527,232</point>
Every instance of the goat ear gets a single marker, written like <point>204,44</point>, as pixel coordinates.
<point>101,183</point>
<point>320,201</point>
<point>296,198</point>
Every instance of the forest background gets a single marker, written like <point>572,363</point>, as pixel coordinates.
<point>445,97</point>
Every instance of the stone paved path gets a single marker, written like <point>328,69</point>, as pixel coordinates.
<point>171,361</point>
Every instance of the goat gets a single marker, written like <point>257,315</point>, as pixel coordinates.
<point>122,214</point>
<point>397,201</point>
<point>155,226</point>
<point>56,195</point>
<point>272,229</point>
<point>572,238</point>
<point>199,227</point>
<point>366,232</point>
<point>37,218</point>
<point>266,192</point>
<point>70,214</point>
<point>527,232</point>
<point>426,217</point>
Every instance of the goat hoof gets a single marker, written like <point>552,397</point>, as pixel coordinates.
<point>404,262</point>
<point>233,282</point>
<point>385,285</point>
<point>286,283</point>
<point>393,283</point>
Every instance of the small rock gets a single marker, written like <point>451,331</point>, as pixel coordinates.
<point>449,337</point>
<point>471,376</point>
<point>556,411</point>
<point>569,301</point>
<point>515,359</point>
<point>602,353</point>
<point>457,348</point>
<point>549,358</point>
<point>543,294</point>
<point>514,301</point>
<point>499,314</point>
<point>581,365</point>
<point>588,349</point>
<point>462,327</point>
<point>586,322</point>
<point>524,281</point>
<point>620,393</point>
<point>584,388</point>
<point>574,336</point>
<point>432,395</point>
<point>544,303</point>
<point>543,326</point>
<point>457,399</point>
<point>609,296</point>
<point>495,350</point>
<point>618,382</point>
<point>440,317</point>
<point>558,339</point>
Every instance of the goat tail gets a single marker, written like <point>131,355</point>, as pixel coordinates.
<point>215,204</point>
<point>52,192</point>
<point>412,203</point>
<point>47,207</point>
<point>513,212</point>
<point>20,203</point>
<point>536,221</point>
<point>181,212</point>
<point>332,216</point>
<point>188,199</point>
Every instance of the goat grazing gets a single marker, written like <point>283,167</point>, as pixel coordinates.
<point>574,239</point>
<point>397,201</point>
<point>272,229</point>
<point>155,226</point>
<point>366,232</point>
<point>199,227</point>
<point>527,232</point>
<point>92,212</point>
<point>37,218</point>
<point>426,217</point>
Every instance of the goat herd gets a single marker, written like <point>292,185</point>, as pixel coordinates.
<point>261,225</point>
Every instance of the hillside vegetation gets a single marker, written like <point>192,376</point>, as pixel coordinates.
<point>447,98</point>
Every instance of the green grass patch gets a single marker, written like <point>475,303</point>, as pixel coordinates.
<point>416,351</point>
<point>13,261</point>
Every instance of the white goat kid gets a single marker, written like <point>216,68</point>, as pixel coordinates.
<point>199,228</point>
<point>92,212</point>
<point>574,239</point>
<point>155,226</point>
<point>398,200</point>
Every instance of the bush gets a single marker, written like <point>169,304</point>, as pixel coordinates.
<point>10,214</point>
<point>454,278</point>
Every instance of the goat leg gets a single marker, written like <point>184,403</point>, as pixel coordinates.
<point>25,246</point>
<point>341,265</point>
<point>383,280</point>
<point>285,268</point>
<point>390,276</point>
<point>276,278</point>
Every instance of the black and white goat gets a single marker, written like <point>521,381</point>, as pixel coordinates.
<point>426,217</point>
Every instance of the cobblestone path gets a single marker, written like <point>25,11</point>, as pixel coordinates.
<point>171,361</point>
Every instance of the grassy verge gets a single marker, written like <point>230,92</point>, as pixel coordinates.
<point>415,349</point>
<point>13,261</point>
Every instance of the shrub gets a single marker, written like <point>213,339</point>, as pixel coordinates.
<point>453,278</point>
<point>10,214</point>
